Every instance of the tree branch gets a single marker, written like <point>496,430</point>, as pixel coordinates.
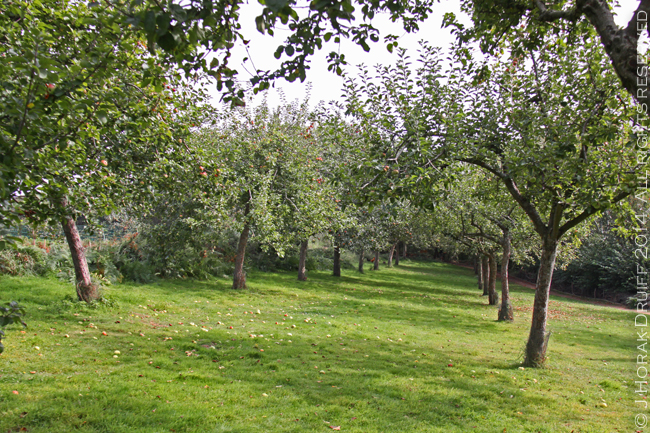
<point>591,210</point>
<point>632,30</point>
<point>523,202</point>
<point>549,15</point>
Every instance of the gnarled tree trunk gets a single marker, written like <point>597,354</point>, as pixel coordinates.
<point>86,290</point>
<point>390,256</point>
<point>538,338</point>
<point>337,261</point>
<point>239,277</point>
<point>493,296</point>
<point>376,267</point>
<point>505,312</point>
<point>486,274</point>
<point>362,259</point>
<point>302,269</point>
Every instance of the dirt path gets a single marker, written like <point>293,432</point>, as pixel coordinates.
<point>530,285</point>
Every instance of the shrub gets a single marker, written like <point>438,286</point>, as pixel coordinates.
<point>9,315</point>
<point>23,259</point>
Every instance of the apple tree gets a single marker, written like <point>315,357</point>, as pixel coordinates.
<point>270,175</point>
<point>85,109</point>
<point>555,129</point>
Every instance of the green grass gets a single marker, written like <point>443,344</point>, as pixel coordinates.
<point>369,353</point>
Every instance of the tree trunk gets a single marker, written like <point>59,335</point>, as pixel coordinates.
<point>505,312</point>
<point>390,256</point>
<point>86,290</point>
<point>376,267</point>
<point>479,272</point>
<point>493,296</point>
<point>397,254</point>
<point>302,270</point>
<point>404,250</point>
<point>486,274</point>
<point>239,277</point>
<point>337,261</point>
<point>538,338</point>
<point>362,259</point>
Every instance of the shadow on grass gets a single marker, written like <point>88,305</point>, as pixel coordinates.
<point>453,370</point>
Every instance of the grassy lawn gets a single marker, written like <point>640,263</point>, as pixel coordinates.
<point>410,349</point>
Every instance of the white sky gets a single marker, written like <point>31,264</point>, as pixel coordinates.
<point>326,85</point>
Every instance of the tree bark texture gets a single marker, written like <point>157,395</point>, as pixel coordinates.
<point>362,260</point>
<point>376,264</point>
<point>239,277</point>
<point>86,290</point>
<point>486,274</point>
<point>397,254</point>
<point>538,338</point>
<point>493,296</point>
<point>302,269</point>
<point>479,272</point>
<point>390,256</point>
<point>337,261</point>
<point>505,312</point>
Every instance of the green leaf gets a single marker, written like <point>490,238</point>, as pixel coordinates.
<point>102,117</point>
<point>168,41</point>
<point>150,22</point>
<point>276,5</point>
<point>163,21</point>
<point>260,24</point>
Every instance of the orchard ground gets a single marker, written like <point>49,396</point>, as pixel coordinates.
<point>408,349</point>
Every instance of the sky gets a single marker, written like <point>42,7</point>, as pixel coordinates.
<point>325,85</point>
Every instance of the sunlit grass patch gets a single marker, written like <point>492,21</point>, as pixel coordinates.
<point>414,348</point>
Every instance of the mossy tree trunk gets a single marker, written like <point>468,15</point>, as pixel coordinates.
<point>538,337</point>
